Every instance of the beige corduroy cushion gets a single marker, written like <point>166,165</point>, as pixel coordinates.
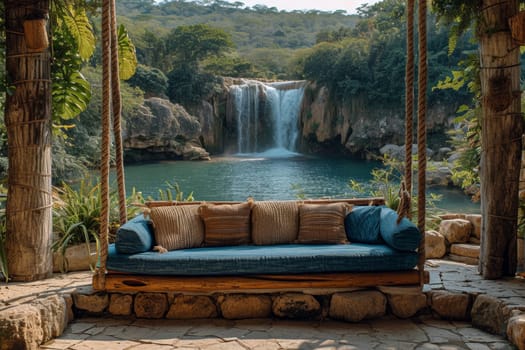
<point>177,227</point>
<point>275,222</point>
<point>226,224</point>
<point>323,223</point>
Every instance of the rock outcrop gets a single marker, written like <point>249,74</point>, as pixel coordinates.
<point>162,130</point>
<point>358,127</point>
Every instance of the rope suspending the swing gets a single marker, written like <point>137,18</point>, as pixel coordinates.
<point>422,132</point>
<point>111,104</point>
<point>117,111</point>
<point>409,98</point>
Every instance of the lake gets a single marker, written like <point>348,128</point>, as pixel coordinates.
<point>270,175</point>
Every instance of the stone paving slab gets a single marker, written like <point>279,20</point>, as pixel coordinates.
<point>423,333</point>
<point>15,293</point>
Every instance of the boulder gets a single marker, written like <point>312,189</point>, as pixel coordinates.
<point>243,306</point>
<point>406,305</point>
<point>435,245</point>
<point>87,300</point>
<point>121,304</point>
<point>53,315</point>
<point>21,328</point>
<point>192,307</point>
<point>516,331</point>
<point>357,306</point>
<point>440,176</point>
<point>162,130</point>
<point>450,306</point>
<point>450,216</point>
<point>69,307</point>
<point>150,305</point>
<point>475,220</point>
<point>487,314</point>
<point>392,151</point>
<point>442,153</point>
<point>296,306</point>
<point>456,230</point>
<point>466,250</point>
<point>463,259</point>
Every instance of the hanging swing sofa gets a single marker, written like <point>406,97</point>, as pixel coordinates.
<point>200,247</point>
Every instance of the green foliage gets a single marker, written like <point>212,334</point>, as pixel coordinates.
<point>466,136</point>
<point>188,86</point>
<point>460,15</point>
<point>76,22</point>
<point>299,191</point>
<point>386,183</point>
<point>126,54</point>
<point>368,61</point>
<point>70,90</point>
<point>191,44</point>
<point>251,28</point>
<point>167,194</point>
<point>230,66</point>
<point>150,80</point>
<point>76,216</point>
<point>80,148</point>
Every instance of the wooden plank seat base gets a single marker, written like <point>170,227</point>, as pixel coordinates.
<point>119,282</point>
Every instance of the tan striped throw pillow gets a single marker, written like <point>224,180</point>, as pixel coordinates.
<point>323,223</point>
<point>177,226</point>
<point>226,224</point>
<point>275,222</point>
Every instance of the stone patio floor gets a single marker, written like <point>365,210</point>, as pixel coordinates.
<point>423,332</point>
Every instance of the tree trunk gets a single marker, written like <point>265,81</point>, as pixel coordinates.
<point>502,128</point>
<point>28,123</point>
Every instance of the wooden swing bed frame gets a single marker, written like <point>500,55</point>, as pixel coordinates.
<point>111,281</point>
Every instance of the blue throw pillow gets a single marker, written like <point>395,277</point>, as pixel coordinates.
<point>135,236</point>
<point>362,224</point>
<point>403,236</point>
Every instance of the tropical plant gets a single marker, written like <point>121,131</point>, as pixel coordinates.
<point>386,183</point>
<point>74,43</point>
<point>466,136</point>
<point>76,216</point>
<point>173,192</point>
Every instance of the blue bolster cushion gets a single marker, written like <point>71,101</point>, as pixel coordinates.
<point>404,236</point>
<point>135,236</point>
<point>362,224</point>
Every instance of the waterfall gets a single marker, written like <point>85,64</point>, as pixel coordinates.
<point>267,115</point>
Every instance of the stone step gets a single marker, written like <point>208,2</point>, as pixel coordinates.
<point>464,259</point>
<point>466,250</point>
<point>474,240</point>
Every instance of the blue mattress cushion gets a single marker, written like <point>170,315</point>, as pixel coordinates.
<point>134,236</point>
<point>404,236</point>
<point>362,224</point>
<point>275,259</point>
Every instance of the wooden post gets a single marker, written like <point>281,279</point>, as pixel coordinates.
<point>28,123</point>
<point>502,129</point>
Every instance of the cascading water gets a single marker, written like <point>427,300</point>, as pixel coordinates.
<point>267,115</point>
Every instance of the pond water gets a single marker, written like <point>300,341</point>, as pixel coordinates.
<point>271,175</point>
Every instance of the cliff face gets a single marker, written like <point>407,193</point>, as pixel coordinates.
<point>162,130</point>
<point>357,128</point>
